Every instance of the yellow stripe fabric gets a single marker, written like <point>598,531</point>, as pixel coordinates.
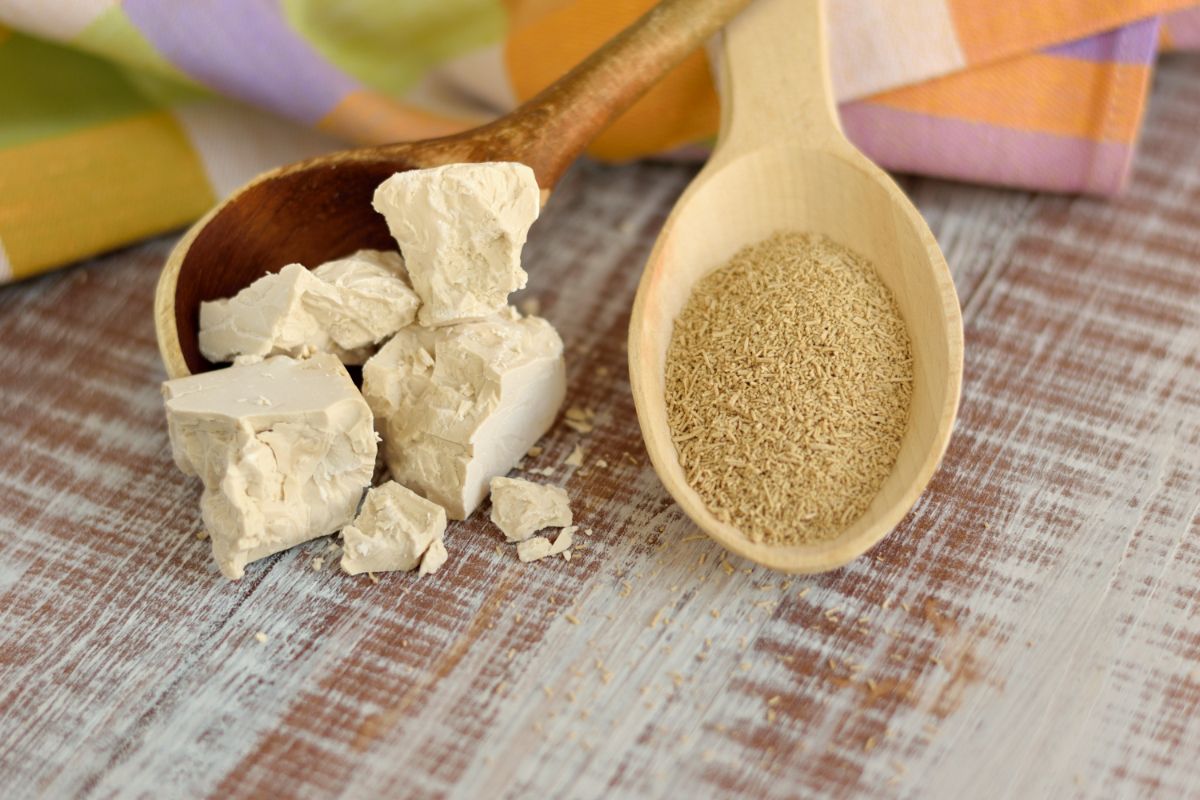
<point>91,190</point>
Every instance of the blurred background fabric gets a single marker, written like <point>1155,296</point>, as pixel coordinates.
<point>121,120</point>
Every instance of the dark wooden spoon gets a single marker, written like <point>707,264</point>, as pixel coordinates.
<point>320,209</point>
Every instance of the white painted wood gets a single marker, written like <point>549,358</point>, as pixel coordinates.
<point>1050,569</point>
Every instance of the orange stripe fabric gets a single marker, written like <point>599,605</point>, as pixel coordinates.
<point>1164,38</point>
<point>1042,93</point>
<point>367,117</point>
<point>679,109</point>
<point>992,29</point>
<point>524,12</point>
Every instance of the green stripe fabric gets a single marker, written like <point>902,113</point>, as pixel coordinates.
<point>47,90</point>
<point>389,45</point>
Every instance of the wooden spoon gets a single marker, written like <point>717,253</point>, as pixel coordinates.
<point>320,209</point>
<point>782,163</point>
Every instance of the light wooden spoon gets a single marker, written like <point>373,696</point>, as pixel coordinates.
<point>782,163</point>
<point>320,209</point>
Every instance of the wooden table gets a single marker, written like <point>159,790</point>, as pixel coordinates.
<point>1030,629</point>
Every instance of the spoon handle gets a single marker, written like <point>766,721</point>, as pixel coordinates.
<point>552,129</point>
<point>773,78</point>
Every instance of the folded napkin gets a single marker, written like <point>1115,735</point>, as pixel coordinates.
<point>122,119</point>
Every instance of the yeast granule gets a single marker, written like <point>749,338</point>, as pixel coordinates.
<point>788,382</point>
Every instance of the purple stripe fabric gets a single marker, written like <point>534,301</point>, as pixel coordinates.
<point>909,142</point>
<point>244,49</point>
<point>1131,44</point>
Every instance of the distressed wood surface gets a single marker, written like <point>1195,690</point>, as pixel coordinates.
<point>1030,630</point>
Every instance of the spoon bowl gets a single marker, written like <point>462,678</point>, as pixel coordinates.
<point>782,164</point>
<point>320,209</point>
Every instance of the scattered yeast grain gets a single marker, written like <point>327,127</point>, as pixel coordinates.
<point>576,457</point>
<point>788,381</point>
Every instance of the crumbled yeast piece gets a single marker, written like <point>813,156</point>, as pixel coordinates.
<point>274,475</point>
<point>533,549</point>
<point>344,307</point>
<point>461,404</point>
<point>539,547</point>
<point>521,508</point>
<point>270,317</point>
<point>434,557</point>
<point>373,298</point>
<point>396,530</point>
<point>461,228</point>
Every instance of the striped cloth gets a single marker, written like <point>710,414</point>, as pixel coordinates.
<point>119,120</point>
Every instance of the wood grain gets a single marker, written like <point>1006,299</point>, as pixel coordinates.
<point>1031,628</point>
